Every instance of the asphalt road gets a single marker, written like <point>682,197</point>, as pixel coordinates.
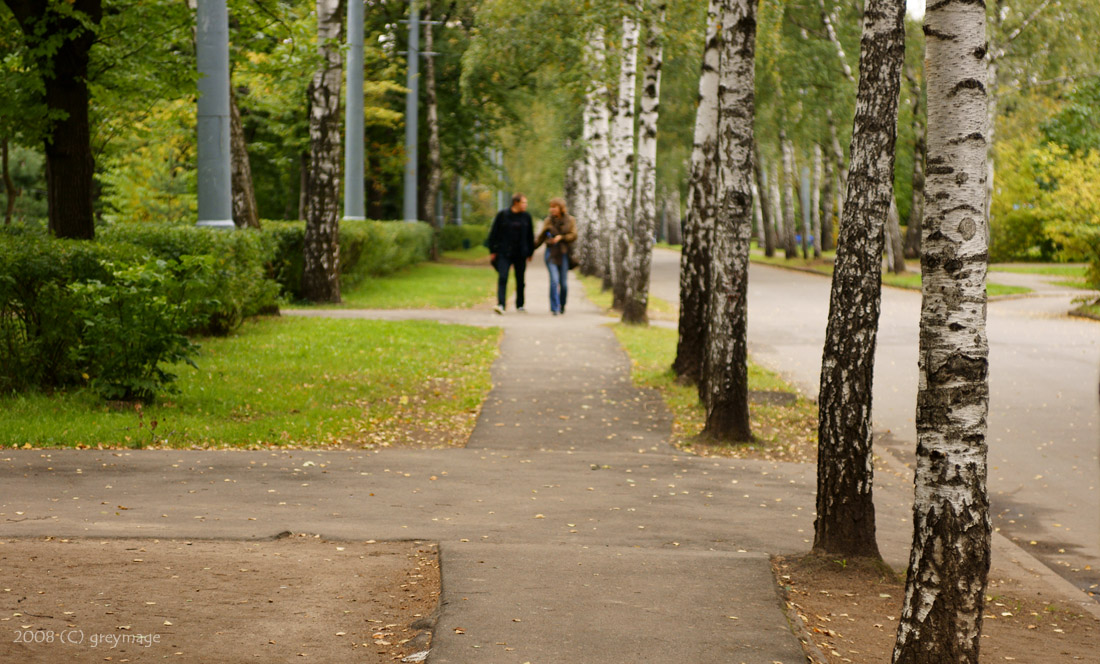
<point>1044,420</point>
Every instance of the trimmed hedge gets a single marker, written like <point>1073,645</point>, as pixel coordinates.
<point>456,238</point>
<point>367,248</point>
<point>108,313</point>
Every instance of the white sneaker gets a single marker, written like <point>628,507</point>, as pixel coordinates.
<point>499,309</point>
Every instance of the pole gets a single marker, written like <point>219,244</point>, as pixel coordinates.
<point>805,196</point>
<point>215,176</point>
<point>411,114</point>
<point>354,207</point>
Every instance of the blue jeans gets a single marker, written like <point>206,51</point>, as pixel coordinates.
<point>558,286</point>
<point>503,264</point>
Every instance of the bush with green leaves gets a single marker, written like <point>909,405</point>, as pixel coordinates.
<point>367,248</point>
<point>239,285</point>
<point>455,238</point>
<point>131,324</point>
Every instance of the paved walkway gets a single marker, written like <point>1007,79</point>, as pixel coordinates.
<point>569,530</point>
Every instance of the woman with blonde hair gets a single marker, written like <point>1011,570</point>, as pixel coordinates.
<point>559,231</point>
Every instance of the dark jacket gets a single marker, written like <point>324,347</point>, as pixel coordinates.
<point>512,234</point>
<point>564,226</point>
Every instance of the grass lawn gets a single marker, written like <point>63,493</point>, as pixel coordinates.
<point>1053,270</point>
<point>658,309</point>
<point>462,279</point>
<point>783,423</point>
<point>289,382</point>
<point>910,280</point>
<point>1089,310</point>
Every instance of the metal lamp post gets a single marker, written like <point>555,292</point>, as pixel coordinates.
<point>215,175</point>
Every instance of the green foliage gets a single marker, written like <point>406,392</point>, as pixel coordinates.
<point>425,286</point>
<point>132,325</point>
<point>237,284</point>
<point>287,381</point>
<point>1076,127</point>
<point>367,248</point>
<point>454,238</point>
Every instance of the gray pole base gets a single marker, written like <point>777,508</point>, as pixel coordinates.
<point>222,224</point>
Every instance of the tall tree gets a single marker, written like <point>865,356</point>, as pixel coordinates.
<point>431,105</point>
<point>727,402</point>
<point>702,190</point>
<point>895,254</point>
<point>245,212</point>
<point>622,150</point>
<point>815,201</point>
<point>321,269</point>
<point>916,208</point>
<point>845,523</point>
<point>790,246</point>
<point>645,221</point>
<point>60,35</point>
<point>941,616</point>
<point>597,157</point>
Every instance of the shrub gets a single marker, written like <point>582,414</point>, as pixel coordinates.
<point>454,238</point>
<point>367,248</point>
<point>238,284</point>
<point>132,324</point>
<point>39,337</point>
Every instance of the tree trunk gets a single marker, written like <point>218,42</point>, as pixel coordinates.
<point>70,166</point>
<point>597,159</point>
<point>815,200</point>
<point>831,32</point>
<point>645,219</point>
<point>9,186</point>
<point>727,347</point>
<point>841,167</point>
<point>699,220</point>
<point>804,187</point>
<point>303,185</point>
<point>435,163</point>
<point>829,194</point>
<point>764,203</point>
<point>321,269</point>
<point>941,616</point>
<point>845,523</point>
<point>789,243</point>
<point>675,224</point>
<point>916,208</point>
<point>758,231</point>
<point>896,259</point>
<point>245,212</point>
<point>622,137</point>
<point>778,231</point>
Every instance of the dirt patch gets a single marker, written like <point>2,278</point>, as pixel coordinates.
<point>850,610</point>
<point>293,599</point>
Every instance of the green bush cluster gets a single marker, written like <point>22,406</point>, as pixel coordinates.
<point>367,248</point>
<point>456,238</point>
<point>111,312</point>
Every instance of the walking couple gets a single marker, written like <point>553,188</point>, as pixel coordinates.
<point>512,243</point>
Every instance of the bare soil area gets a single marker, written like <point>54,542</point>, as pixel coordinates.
<point>850,612</point>
<point>294,599</point>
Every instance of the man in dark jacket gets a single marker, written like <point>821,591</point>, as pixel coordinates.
<point>511,244</point>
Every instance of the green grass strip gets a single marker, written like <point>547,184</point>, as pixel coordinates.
<point>300,382</point>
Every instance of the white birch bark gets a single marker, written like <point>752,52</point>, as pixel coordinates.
<point>598,160</point>
<point>758,217</point>
<point>942,612</point>
<point>789,244</point>
<point>895,253</point>
<point>845,523</point>
<point>726,367</point>
<point>776,200</point>
<point>321,267</point>
<point>699,219</point>
<point>831,31</point>
<point>645,221</point>
<point>622,138</point>
<point>815,200</point>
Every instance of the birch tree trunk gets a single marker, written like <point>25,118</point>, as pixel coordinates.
<point>645,219</point>
<point>431,106</point>
<point>726,361</point>
<point>764,203</point>
<point>321,269</point>
<point>598,160</point>
<point>675,222</point>
<point>776,199</point>
<point>895,253</point>
<point>246,214</point>
<point>815,200</point>
<point>757,214</point>
<point>829,194</point>
<point>622,138</point>
<point>916,208</point>
<point>941,616</point>
<point>789,243</point>
<point>845,523</point>
<point>841,166</point>
<point>699,220</point>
